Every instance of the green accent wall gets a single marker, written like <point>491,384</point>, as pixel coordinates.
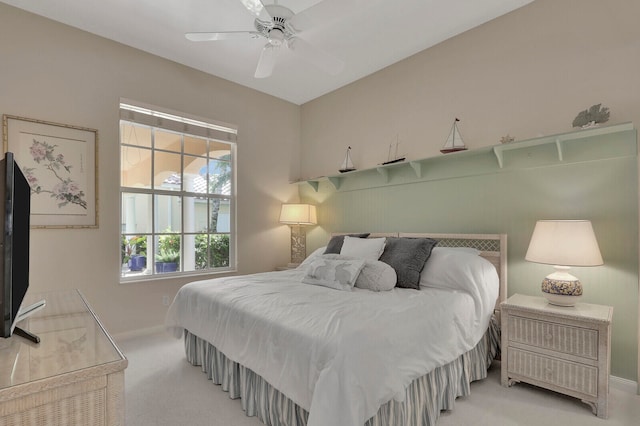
<point>593,178</point>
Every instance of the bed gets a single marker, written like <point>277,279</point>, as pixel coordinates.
<point>299,354</point>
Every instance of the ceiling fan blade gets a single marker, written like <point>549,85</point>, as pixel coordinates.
<point>267,61</point>
<point>315,56</point>
<point>224,35</point>
<point>323,13</point>
<point>256,8</point>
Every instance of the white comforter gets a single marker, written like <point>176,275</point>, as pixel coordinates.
<point>339,355</point>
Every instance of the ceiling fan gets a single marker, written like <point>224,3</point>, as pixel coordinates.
<point>280,27</point>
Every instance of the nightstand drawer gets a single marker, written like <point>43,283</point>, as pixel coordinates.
<point>577,341</point>
<point>565,374</point>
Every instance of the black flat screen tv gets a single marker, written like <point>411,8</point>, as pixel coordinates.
<point>15,194</point>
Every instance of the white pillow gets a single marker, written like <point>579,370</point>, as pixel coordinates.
<point>364,248</point>
<point>456,269</point>
<point>458,249</point>
<point>375,275</point>
<point>316,253</point>
<point>340,274</point>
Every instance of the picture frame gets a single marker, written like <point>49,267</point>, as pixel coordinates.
<point>60,163</point>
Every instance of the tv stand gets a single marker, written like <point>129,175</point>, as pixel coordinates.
<point>73,377</point>
<point>25,334</point>
<point>25,313</point>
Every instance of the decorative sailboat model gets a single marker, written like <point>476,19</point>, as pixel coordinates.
<point>454,141</point>
<point>395,158</point>
<point>347,165</point>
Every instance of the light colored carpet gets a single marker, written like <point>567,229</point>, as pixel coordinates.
<point>163,389</point>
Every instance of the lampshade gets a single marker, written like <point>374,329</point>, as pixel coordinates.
<point>563,243</point>
<point>298,214</point>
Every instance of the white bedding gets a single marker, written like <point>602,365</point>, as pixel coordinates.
<point>338,354</point>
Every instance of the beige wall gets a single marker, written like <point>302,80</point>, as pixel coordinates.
<point>52,72</point>
<point>525,74</point>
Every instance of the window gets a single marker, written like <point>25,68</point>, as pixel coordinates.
<point>177,192</point>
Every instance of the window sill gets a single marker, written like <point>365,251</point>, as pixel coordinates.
<point>180,275</point>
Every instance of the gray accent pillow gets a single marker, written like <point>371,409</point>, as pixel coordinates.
<point>376,276</point>
<point>407,256</point>
<point>335,244</point>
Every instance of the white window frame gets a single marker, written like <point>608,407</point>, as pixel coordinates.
<point>166,120</point>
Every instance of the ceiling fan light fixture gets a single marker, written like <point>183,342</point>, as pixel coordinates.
<point>276,37</point>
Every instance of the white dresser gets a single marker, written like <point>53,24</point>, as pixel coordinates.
<point>74,376</point>
<point>565,349</point>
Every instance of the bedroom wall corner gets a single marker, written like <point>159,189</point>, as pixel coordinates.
<point>56,73</point>
<point>525,74</point>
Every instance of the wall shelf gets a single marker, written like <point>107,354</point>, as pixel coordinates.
<point>417,167</point>
<point>558,140</point>
<point>537,152</point>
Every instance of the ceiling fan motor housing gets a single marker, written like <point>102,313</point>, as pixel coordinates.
<point>275,30</point>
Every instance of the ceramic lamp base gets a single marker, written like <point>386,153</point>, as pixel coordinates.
<point>561,299</point>
<point>561,288</point>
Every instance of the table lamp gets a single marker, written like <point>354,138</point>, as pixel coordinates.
<point>563,243</point>
<point>297,216</point>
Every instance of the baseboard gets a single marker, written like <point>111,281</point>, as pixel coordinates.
<point>625,385</point>
<point>137,333</point>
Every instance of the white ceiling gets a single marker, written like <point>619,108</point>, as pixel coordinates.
<point>367,35</point>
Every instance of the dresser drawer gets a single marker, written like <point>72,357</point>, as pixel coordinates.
<point>565,374</point>
<point>576,341</point>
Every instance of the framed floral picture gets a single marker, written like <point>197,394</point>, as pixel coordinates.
<point>59,161</point>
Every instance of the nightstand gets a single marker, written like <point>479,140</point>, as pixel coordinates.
<point>564,349</point>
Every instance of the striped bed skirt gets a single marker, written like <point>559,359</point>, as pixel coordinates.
<point>425,397</point>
